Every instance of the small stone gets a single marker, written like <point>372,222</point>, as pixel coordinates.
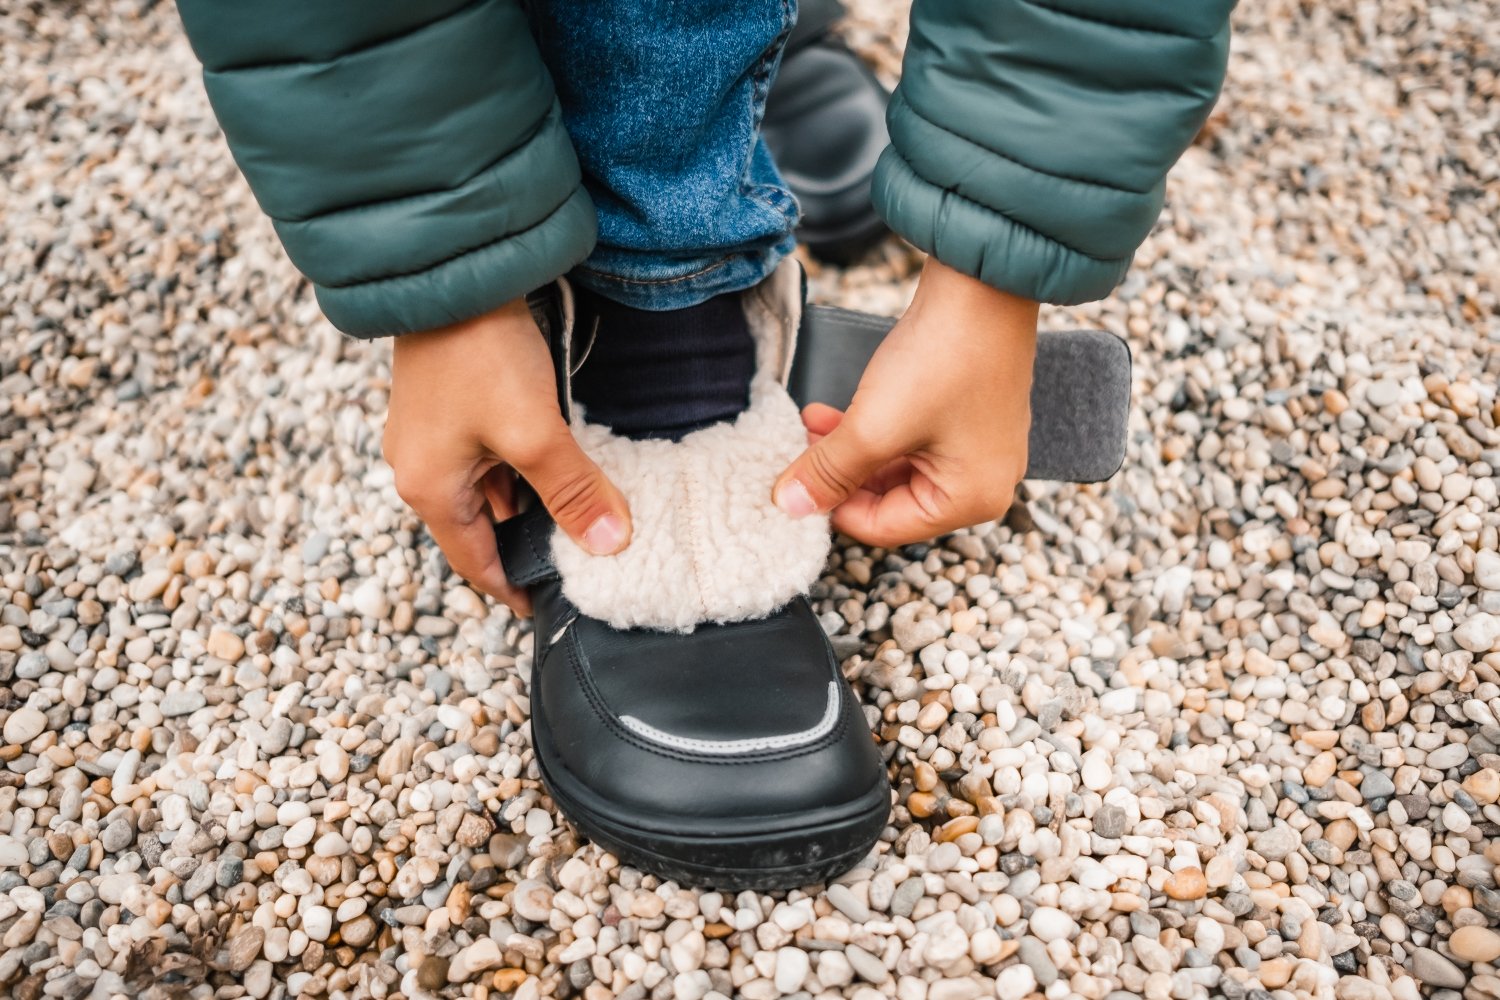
<point>230,872</point>
<point>225,645</point>
<point>532,900</point>
<point>24,725</point>
<point>1276,843</point>
<point>866,966</point>
<point>1015,981</point>
<point>301,833</point>
<point>1449,755</point>
<point>182,702</point>
<point>395,760</point>
<point>1474,943</point>
<point>117,836</point>
<point>1479,634</point>
<point>846,902</point>
<point>791,969</point>
<point>333,763</point>
<point>432,974</point>
<point>481,956</point>
<point>1051,924</point>
<point>1432,969</point>
<point>1109,822</point>
<point>244,948</point>
<point>370,599</point>
<point>331,845</point>
<point>904,900</point>
<point>358,932</point>
<point>473,830</point>
<point>1186,883</point>
<point>1483,786</point>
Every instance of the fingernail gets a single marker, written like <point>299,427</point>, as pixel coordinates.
<point>794,500</point>
<point>605,535</point>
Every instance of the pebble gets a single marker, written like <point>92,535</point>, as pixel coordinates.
<point>333,763</point>
<point>1473,943</point>
<point>1434,970</point>
<point>1186,883</point>
<point>532,900</point>
<point>24,725</point>
<point>481,956</point>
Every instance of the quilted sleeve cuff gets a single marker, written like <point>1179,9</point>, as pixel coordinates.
<point>412,157</point>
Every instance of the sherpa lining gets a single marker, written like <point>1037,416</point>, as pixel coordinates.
<point>708,545</point>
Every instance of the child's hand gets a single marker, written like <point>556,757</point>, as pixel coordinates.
<point>469,403</point>
<point>935,438</point>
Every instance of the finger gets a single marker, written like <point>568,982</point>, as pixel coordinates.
<point>829,471</point>
<point>820,418</point>
<point>499,487</point>
<point>575,491</point>
<point>914,511</point>
<point>458,520</point>
<point>886,519</point>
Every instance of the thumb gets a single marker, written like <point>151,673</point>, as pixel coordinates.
<point>828,472</point>
<point>577,493</point>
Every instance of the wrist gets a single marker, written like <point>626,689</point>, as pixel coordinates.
<point>507,317</point>
<point>955,298</point>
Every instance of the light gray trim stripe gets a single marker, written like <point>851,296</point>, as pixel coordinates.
<point>753,745</point>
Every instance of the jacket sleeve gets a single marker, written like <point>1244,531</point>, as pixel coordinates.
<point>411,155</point>
<point>1030,139</point>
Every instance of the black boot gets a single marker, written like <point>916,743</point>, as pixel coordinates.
<point>687,711</point>
<point>825,127</point>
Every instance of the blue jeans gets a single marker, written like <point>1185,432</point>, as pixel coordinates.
<point>663,100</point>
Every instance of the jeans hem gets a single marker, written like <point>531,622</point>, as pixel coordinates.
<point>697,280</point>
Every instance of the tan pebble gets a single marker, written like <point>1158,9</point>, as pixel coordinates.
<point>1186,883</point>
<point>1310,941</point>
<point>1322,739</point>
<point>1275,973</point>
<point>1341,833</point>
<point>1455,898</point>
<point>509,980</point>
<point>955,828</point>
<point>458,904</point>
<point>717,929</point>
<point>932,717</point>
<point>1316,774</point>
<point>924,776</point>
<point>1475,944</point>
<point>1484,786</point>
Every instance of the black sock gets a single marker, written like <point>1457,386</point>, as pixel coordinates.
<point>663,374</point>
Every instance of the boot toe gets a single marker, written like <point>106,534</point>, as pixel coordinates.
<point>735,755</point>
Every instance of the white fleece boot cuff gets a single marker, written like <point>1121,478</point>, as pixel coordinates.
<point>708,544</point>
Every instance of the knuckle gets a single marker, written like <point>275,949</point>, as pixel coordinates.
<point>413,486</point>
<point>532,443</point>
<point>831,472</point>
<point>991,499</point>
<point>575,494</point>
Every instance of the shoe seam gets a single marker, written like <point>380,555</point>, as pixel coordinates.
<point>601,709</point>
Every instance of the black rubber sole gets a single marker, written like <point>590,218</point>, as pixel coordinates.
<point>796,854</point>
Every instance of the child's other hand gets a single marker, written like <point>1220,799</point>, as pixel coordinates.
<point>470,403</point>
<point>935,437</point>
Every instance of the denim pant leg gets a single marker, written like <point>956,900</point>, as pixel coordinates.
<point>663,100</point>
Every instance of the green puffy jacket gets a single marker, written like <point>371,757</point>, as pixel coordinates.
<point>413,159</point>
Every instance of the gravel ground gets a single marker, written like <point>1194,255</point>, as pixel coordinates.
<point>1224,726</point>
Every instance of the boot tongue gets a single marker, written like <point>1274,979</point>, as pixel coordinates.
<point>727,688</point>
